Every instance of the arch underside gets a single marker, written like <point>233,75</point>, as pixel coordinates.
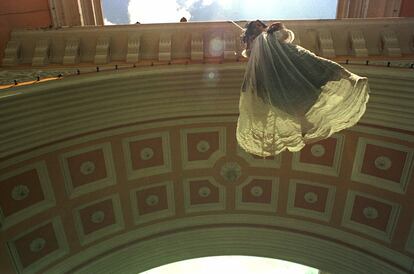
<point>236,235</point>
<point>139,168</point>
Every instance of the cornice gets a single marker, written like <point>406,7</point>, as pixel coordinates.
<point>193,41</point>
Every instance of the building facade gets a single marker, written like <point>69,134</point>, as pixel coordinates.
<point>118,153</point>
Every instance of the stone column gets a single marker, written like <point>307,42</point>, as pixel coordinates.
<point>71,13</point>
<point>76,12</point>
<point>97,7</point>
<point>370,8</point>
<point>87,12</point>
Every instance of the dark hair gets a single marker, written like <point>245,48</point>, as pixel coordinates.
<point>275,27</point>
<point>251,30</point>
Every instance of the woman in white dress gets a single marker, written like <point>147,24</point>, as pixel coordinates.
<point>290,96</point>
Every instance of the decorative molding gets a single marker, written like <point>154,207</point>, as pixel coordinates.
<point>98,217</point>
<point>195,40</point>
<point>197,47</point>
<point>410,241</point>
<point>41,53</point>
<point>221,151</point>
<point>382,163</point>
<point>270,162</point>
<point>359,45</point>
<point>203,146</point>
<point>164,53</point>
<point>139,107</point>
<point>133,51</point>
<point>204,192</point>
<point>110,132</point>
<point>390,43</point>
<point>258,192</point>
<point>318,150</point>
<point>87,168</point>
<point>146,154</point>
<point>12,53</point>
<point>326,43</point>
<point>161,214</point>
<point>370,214</point>
<point>103,51</point>
<point>387,133</point>
<point>152,200</point>
<point>357,254</point>
<point>37,245</point>
<point>72,52</point>
<point>311,198</point>
<point>231,171</point>
<point>21,192</point>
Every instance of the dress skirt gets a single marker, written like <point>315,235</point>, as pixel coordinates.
<point>291,97</point>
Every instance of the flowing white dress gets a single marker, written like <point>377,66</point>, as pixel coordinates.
<point>291,97</point>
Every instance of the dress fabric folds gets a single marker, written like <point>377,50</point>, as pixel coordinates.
<point>291,97</point>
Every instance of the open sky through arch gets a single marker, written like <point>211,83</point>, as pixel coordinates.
<point>163,11</point>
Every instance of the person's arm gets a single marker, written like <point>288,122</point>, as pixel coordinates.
<point>278,27</point>
<point>274,27</point>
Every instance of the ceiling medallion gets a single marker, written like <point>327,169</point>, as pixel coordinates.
<point>97,217</point>
<point>152,200</point>
<point>37,245</point>
<point>204,191</point>
<point>147,153</point>
<point>256,191</point>
<point>87,168</point>
<point>203,146</point>
<point>20,192</point>
<point>383,163</point>
<point>370,213</point>
<point>231,171</point>
<point>318,150</point>
<point>310,197</point>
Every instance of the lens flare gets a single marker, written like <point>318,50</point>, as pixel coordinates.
<point>216,47</point>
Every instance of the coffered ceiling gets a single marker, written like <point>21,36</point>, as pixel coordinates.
<point>131,169</point>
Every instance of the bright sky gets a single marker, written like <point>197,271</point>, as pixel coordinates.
<point>233,264</point>
<point>161,11</point>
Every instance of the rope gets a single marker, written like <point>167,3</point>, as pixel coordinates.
<point>237,25</point>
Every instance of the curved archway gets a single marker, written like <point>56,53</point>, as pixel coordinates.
<point>137,171</point>
<point>231,235</point>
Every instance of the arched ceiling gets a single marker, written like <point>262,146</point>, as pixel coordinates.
<point>130,169</point>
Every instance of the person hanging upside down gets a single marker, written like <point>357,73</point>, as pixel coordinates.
<point>291,97</point>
